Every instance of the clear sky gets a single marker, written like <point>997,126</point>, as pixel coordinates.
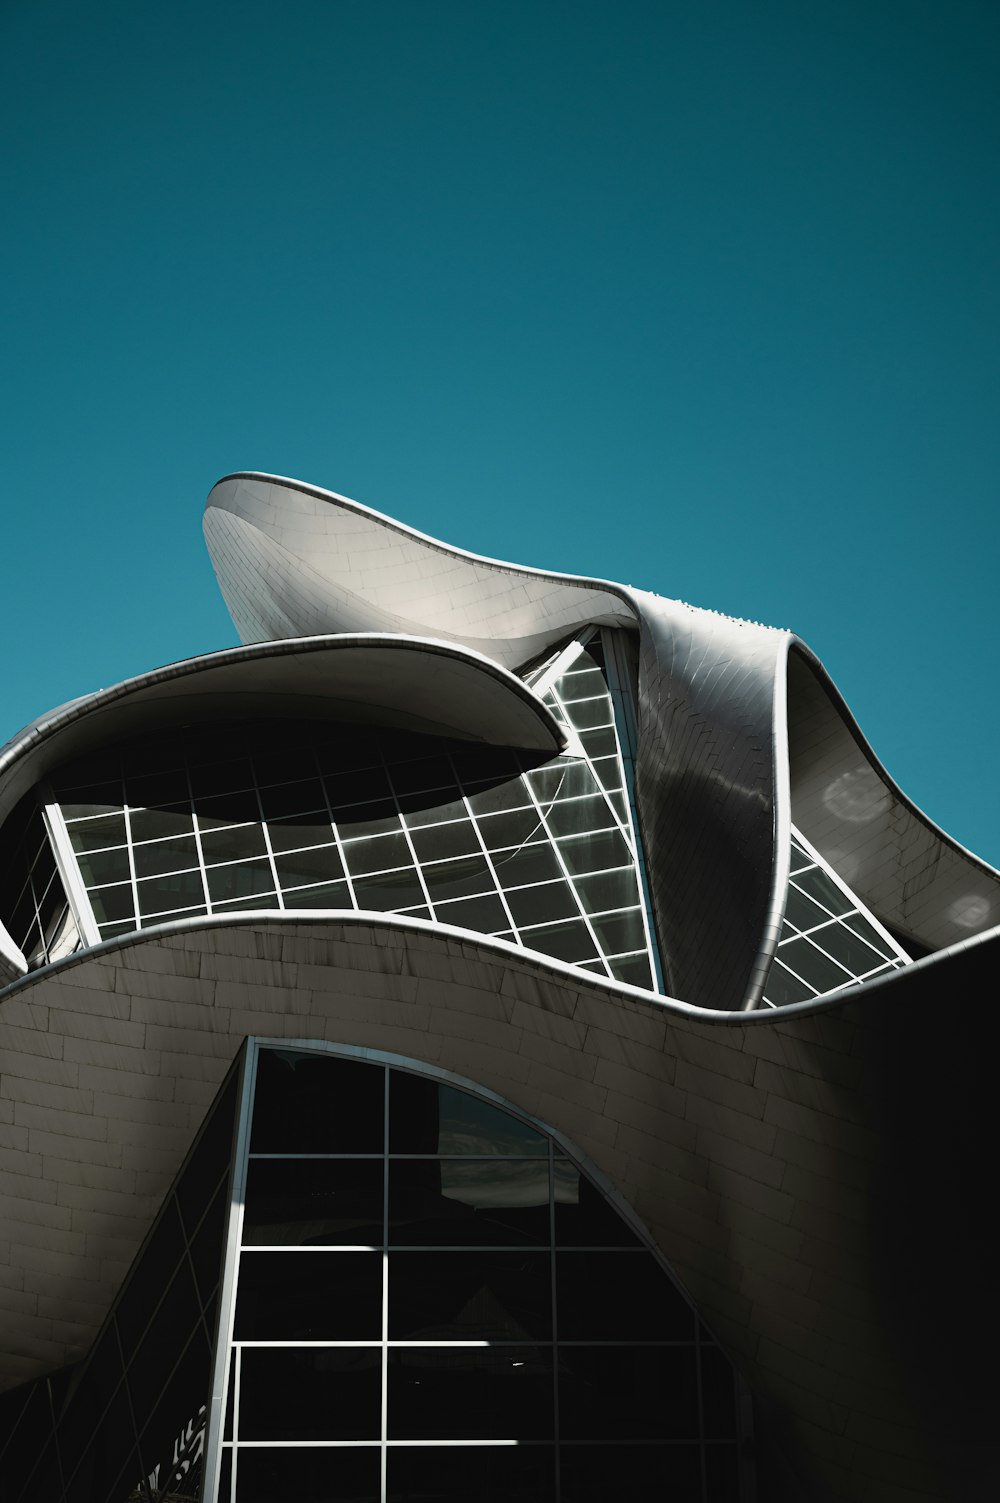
<point>702,297</point>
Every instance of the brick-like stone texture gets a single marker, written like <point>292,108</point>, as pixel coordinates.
<point>767,1154</point>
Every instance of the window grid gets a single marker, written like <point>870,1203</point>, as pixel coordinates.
<point>396,1415</point>
<point>475,891</point>
<point>838,939</point>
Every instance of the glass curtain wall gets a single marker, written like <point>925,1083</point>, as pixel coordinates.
<point>293,816</point>
<point>33,903</point>
<point>433,1302</point>
<point>128,1424</point>
<point>829,940</point>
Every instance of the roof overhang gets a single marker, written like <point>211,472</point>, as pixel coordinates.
<point>413,684</point>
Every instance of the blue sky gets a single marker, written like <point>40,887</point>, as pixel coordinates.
<point>698,297</point>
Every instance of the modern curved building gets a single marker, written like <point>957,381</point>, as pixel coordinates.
<point>492,1031</point>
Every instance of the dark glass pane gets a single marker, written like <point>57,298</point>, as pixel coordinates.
<point>298,1202</point>
<point>470,1296</point>
<point>164,856</point>
<point>155,790</point>
<point>225,1475</point>
<point>325,1393</point>
<point>637,1301</point>
<point>109,931</point>
<point>318,864</point>
<point>389,892</point>
<point>221,777</point>
<point>485,915</point>
<point>601,743</point>
<point>237,905</point>
<point>802,911</point>
<point>227,1429</point>
<point>92,834</point>
<point>93,803</point>
<point>633,970</point>
<point>206,1247</point>
<point>593,712</point>
<point>718,1394</point>
<point>481,764</point>
<point>570,941</point>
<point>458,1393</point>
<point>584,1218</point>
<point>424,775</point>
<point>104,1453</point>
<point>157,824</point>
<point>347,754</point>
<point>349,791</point>
<point>868,932</point>
<point>325,895</point>
<point>471,1474</point>
<point>209,1158</point>
<point>112,904</point>
<point>597,1473</point>
<point>722,1474</point>
<point>782,987</point>
<point>292,761</point>
<point>159,1258</point>
<point>434,813</point>
<point>576,815</point>
<point>514,828</point>
<point>172,1430</point>
<point>444,842</point>
<point>25,1428</point>
<point>297,834</point>
<point>842,945</point>
<point>309,1296</point>
<point>425,1117</point>
<point>595,852</point>
<point>301,1474</point>
<point>607,890</point>
<point>533,863</point>
<point>620,932</point>
<point>628,1393</point>
<point>179,1314</point>
<point>243,880</point>
<point>809,963</point>
<point>97,867</point>
<point>539,905</point>
<point>228,809</point>
<point>304,797</point>
<point>307,1104</point>
<point>232,843</point>
<point>380,853</point>
<point>165,894</point>
<point>467,877</point>
<point>434,1202</point>
<point>818,885</point>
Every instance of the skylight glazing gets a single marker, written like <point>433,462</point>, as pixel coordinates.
<point>293,817</point>
<point>829,940</point>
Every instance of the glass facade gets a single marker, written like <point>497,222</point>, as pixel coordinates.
<point>33,903</point>
<point>295,816</point>
<point>128,1424</point>
<point>424,1298</point>
<point>433,1302</point>
<point>828,939</point>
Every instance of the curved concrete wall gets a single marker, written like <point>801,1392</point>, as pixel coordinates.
<point>768,1154</point>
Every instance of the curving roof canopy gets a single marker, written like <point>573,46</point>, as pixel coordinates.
<point>740,729</point>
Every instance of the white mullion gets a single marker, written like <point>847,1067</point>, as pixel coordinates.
<point>406,836</point>
<point>69,873</point>
<point>567,875</point>
<point>197,841</point>
<point>336,833</point>
<point>487,856</point>
<point>227,1288</point>
<point>267,837</point>
<point>626,742</point>
<point>856,902</point>
<point>384,1395</point>
<point>131,863</point>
